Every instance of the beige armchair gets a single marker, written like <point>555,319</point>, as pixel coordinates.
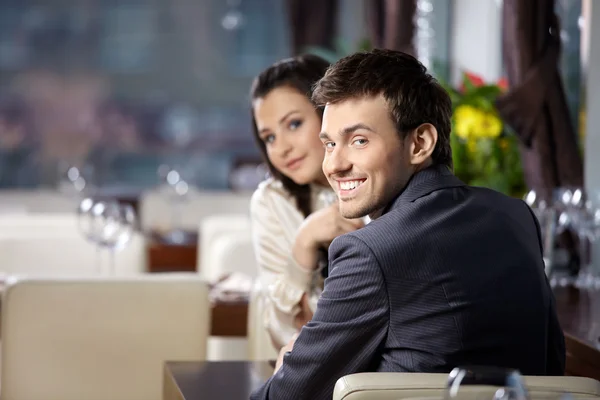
<point>260,346</point>
<point>231,252</point>
<point>397,386</point>
<point>156,211</point>
<point>211,244</point>
<point>99,338</point>
<point>54,236</point>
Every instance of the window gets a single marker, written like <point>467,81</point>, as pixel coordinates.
<point>117,79</point>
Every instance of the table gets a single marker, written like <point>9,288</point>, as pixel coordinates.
<point>230,380</point>
<point>579,315</point>
<point>229,318</point>
<point>168,257</point>
<point>578,312</point>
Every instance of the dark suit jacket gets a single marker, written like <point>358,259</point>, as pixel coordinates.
<point>449,275</point>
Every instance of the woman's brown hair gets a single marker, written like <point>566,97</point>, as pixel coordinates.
<point>300,73</point>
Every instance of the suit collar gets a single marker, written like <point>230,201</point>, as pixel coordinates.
<point>424,182</point>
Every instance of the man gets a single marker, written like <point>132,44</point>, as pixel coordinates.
<point>445,275</point>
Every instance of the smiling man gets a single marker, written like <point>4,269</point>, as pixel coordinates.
<point>445,274</point>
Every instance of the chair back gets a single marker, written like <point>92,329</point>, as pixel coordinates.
<point>156,210</point>
<point>210,247</point>
<point>399,386</point>
<point>99,338</point>
<point>52,245</point>
<point>260,346</point>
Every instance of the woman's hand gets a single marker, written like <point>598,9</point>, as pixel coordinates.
<point>318,230</point>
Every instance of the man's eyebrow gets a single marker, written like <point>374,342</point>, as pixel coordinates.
<point>354,128</point>
<point>323,136</point>
<point>347,130</point>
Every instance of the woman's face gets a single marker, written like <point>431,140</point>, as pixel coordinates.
<point>289,125</point>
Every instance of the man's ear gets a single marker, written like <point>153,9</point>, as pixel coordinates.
<point>422,141</point>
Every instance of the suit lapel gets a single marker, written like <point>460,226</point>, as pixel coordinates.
<point>424,182</point>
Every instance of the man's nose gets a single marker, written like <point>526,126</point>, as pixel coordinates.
<point>336,162</point>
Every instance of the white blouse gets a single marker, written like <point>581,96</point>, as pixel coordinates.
<point>275,222</point>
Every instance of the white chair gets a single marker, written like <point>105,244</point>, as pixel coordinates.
<point>260,346</point>
<point>399,386</point>
<point>211,229</point>
<point>37,201</point>
<point>231,253</point>
<point>99,338</point>
<point>156,211</point>
<point>68,256</point>
<point>39,224</point>
<point>51,244</point>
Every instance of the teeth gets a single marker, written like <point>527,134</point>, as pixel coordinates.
<point>349,185</point>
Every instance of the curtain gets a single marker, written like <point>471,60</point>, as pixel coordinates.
<point>391,24</point>
<point>535,105</point>
<point>312,23</point>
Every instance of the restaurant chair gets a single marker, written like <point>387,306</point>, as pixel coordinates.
<point>99,338</point>
<point>52,244</point>
<point>210,230</point>
<point>398,386</point>
<point>156,210</point>
<point>36,201</point>
<point>232,253</point>
<point>260,346</point>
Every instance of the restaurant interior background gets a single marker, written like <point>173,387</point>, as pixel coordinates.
<point>126,147</point>
<point>119,88</point>
<point>119,98</point>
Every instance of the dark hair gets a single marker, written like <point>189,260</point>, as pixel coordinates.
<point>300,73</point>
<point>413,95</point>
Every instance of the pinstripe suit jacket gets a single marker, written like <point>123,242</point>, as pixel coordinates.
<point>449,275</point>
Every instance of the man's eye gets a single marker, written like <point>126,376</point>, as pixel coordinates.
<point>360,142</point>
<point>329,145</point>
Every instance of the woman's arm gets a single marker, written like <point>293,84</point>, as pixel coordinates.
<point>284,282</point>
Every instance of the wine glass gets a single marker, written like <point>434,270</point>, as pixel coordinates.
<point>178,190</point>
<point>507,383</point>
<point>89,226</point>
<point>547,220</point>
<point>117,222</point>
<point>588,229</point>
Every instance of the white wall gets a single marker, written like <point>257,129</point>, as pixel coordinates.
<point>476,44</point>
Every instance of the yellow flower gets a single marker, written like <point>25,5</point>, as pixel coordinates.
<point>467,120</point>
<point>491,125</point>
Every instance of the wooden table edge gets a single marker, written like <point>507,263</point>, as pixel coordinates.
<point>171,390</point>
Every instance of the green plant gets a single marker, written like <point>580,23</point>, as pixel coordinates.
<point>485,151</point>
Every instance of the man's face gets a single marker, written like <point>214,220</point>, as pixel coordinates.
<point>366,162</point>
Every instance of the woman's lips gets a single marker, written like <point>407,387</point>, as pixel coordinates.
<point>295,163</point>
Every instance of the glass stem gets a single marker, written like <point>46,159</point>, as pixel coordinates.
<point>112,262</point>
<point>584,269</point>
<point>176,214</point>
<point>98,263</point>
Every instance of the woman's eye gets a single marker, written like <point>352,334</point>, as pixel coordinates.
<point>268,138</point>
<point>295,124</point>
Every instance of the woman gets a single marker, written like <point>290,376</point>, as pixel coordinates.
<point>291,221</point>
